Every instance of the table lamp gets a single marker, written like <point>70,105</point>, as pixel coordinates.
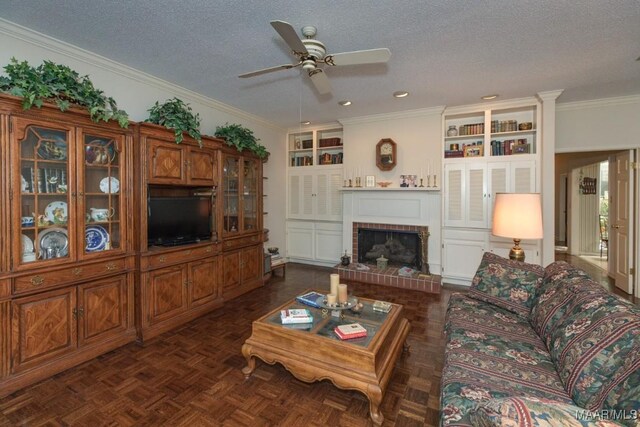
<point>518,216</point>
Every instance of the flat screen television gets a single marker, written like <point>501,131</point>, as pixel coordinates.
<point>178,220</point>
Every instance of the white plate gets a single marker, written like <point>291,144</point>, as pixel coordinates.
<point>104,184</point>
<point>56,212</point>
<point>27,245</point>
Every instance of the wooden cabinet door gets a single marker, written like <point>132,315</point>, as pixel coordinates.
<point>167,293</point>
<point>43,328</point>
<point>202,167</point>
<point>204,284</point>
<point>166,163</point>
<point>251,263</point>
<point>231,270</point>
<point>102,309</point>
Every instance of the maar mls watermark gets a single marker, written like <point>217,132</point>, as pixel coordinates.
<point>608,415</point>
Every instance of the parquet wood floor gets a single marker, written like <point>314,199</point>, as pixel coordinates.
<point>191,376</point>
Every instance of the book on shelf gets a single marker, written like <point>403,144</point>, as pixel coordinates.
<point>382,306</point>
<point>310,298</point>
<point>295,315</point>
<point>350,331</point>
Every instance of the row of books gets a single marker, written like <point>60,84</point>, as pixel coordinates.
<point>471,129</point>
<point>302,161</point>
<point>509,146</point>
<point>330,159</point>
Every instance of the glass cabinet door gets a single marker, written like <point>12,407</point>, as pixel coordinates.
<point>100,202</point>
<point>44,205</point>
<point>250,196</point>
<point>231,201</point>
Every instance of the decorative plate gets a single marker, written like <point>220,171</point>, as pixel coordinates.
<point>27,245</point>
<point>53,150</point>
<point>96,238</point>
<point>112,182</point>
<point>99,152</point>
<point>56,212</point>
<point>55,238</point>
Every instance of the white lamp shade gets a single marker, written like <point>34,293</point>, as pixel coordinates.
<point>517,215</point>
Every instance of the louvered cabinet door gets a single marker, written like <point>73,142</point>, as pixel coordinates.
<point>167,163</point>
<point>454,196</point>
<point>301,195</point>
<point>102,309</point>
<point>202,167</point>
<point>499,182</point>
<point>43,328</point>
<point>523,176</point>
<point>476,195</point>
<point>204,282</point>
<point>167,293</point>
<point>328,196</point>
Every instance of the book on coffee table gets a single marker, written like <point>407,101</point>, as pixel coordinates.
<point>310,298</point>
<point>350,331</point>
<point>295,315</point>
<point>382,306</point>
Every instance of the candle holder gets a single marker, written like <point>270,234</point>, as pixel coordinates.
<point>350,183</point>
<point>434,181</point>
<point>337,309</point>
<point>421,184</point>
<point>428,181</point>
<point>358,184</point>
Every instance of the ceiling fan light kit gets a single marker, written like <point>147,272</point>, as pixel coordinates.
<point>311,53</point>
<point>400,94</point>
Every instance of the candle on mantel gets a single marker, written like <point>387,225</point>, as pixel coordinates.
<point>335,280</point>
<point>342,293</point>
<point>331,299</point>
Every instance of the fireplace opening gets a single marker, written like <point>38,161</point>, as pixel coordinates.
<point>401,248</point>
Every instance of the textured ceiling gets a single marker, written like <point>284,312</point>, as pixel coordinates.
<point>444,52</point>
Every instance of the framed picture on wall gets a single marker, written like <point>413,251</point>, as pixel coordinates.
<point>408,180</point>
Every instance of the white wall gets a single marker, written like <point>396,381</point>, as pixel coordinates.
<point>135,92</point>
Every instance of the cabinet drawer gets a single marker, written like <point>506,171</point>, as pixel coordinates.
<point>47,279</point>
<point>168,258</point>
<point>241,242</point>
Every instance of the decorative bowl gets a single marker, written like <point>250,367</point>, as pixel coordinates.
<point>272,250</point>
<point>525,126</point>
<point>384,184</point>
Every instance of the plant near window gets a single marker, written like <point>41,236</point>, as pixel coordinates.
<point>59,84</point>
<point>242,138</point>
<point>175,114</point>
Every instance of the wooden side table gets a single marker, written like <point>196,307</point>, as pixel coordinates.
<point>282,267</point>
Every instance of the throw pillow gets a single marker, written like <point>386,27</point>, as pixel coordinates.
<point>533,412</point>
<point>506,283</point>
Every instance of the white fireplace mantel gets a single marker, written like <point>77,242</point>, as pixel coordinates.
<point>399,206</point>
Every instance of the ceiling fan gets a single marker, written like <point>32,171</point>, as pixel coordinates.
<point>311,53</point>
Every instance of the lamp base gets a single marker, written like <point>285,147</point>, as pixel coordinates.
<point>516,253</point>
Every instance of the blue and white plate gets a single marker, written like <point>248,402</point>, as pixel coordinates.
<point>96,238</point>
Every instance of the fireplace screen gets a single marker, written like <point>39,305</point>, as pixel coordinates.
<point>401,248</point>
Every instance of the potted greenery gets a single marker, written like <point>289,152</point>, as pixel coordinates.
<point>175,114</point>
<point>242,138</point>
<point>61,85</point>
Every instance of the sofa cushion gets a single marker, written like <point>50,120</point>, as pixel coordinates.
<point>506,283</point>
<point>492,353</point>
<point>563,287</point>
<point>596,349</point>
<point>533,412</point>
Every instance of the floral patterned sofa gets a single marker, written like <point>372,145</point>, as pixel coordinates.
<point>528,346</point>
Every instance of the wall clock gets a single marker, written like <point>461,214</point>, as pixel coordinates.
<point>386,154</point>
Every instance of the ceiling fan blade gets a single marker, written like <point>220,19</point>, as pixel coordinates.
<point>268,70</point>
<point>370,56</point>
<point>290,36</point>
<point>320,81</point>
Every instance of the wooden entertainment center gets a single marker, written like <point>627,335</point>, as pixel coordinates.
<point>78,277</point>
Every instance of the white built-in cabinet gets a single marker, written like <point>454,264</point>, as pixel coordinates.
<point>489,155</point>
<point>314,198</point>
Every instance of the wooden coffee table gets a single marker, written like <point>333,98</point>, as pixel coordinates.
<point>314,352</point>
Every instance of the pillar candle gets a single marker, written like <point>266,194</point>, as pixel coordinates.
<point>342,293</point>
<point>331,299</point>
<point>335,280</point>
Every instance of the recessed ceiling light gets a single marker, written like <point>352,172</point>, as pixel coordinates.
<point>306,122</point>
<point>488,97</point>
<point>344,103</point>
<point>401,94</point>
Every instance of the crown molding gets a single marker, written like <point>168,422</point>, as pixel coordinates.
<point>63,48</point>
<point>311,127</point>
<point>421,112</point>
<point>492,105</point>
<point>596,103</point>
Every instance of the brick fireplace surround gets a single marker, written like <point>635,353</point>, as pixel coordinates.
<point>389,276</point>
